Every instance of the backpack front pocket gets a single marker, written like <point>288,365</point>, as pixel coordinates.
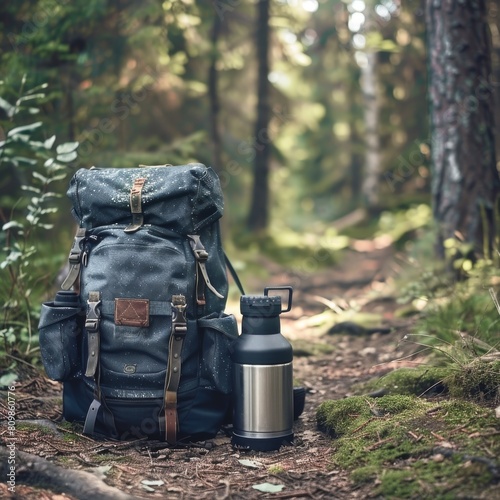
<point>218,333</point>
<point>60,332</point>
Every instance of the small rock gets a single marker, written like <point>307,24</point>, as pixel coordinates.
<point>367,351</point>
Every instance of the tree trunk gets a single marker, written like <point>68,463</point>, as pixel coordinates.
<point>465,183</point>
<point>214,96</point>
<point>357,148</point>
<point>372,156</point>
<point>259,210</point>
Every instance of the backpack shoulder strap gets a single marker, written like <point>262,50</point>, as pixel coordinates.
<point>234,275</point>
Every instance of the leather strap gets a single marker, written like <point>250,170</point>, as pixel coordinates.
<point>99,403</point>
<point>201,256</point>
<point>179,330</point>
<point>90,420</point>
<point>92,327</point>
<point>92,324</point>
<point>74,259</point>
<point>136,205</point>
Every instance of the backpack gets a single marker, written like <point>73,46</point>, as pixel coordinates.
<point>142,343</point>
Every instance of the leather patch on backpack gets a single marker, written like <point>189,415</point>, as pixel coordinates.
<point>132,312</point>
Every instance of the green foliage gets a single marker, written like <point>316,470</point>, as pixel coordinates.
<point>39,165</point>
<point>459,326</point>
<point>458,318</point>
<point>455,334</point>
<point>401,224</point>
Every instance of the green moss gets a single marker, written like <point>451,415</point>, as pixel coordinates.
<point>398,404</point>
<point>73,431</point>
<point>102,458</point>
<point>426,478</point>
<point>412,381</point>
<point>338,417</point>
<point>469,414</point>
<point>478,380</point>
<point>34,427</point>
<point>276,469</point>
<point>364,474</point>
<point>396,484</point>
<point>394,439</point>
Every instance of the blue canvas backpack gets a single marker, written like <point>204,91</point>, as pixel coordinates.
<point>138,333</point>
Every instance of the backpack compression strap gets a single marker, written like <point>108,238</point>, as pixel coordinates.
<point>179,330</point>
<point>201,256</point>
<point>136,205</point>
<point>74,259</point>
<point>92,323</point>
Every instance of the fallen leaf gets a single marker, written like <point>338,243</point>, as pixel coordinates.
<point>250,463</point>
<point>268,487</point>
<point>100,471</point>
<point>152,482</point>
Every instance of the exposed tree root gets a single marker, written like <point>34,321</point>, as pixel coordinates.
<point>35,471</point>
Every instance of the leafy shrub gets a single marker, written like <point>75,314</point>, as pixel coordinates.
<point>35,164</point>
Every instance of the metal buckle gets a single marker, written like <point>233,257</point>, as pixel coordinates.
<point>74,257</point>
<point>179,321</point>
<point>93,316</point>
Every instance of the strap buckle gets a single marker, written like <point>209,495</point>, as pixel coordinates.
<point>179,321</point>
<point>92,322</point>
<point>75,257</point>
<point>93,314</point>
<point>201,256</point>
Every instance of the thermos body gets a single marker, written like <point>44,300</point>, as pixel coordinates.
<point>265,408</point>
<point>262,376</point>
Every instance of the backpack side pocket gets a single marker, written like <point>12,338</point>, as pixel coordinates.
<point>60,334</point>
<point>218,333</point>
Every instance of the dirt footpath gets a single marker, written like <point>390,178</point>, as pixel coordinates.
<point>326,364</point>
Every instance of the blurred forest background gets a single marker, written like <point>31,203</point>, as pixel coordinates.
<point>314,113</point>
<point>352,138</point>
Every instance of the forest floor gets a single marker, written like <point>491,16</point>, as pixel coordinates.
<point>328,365</point>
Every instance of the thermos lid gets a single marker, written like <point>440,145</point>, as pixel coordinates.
<point>260,306</point>
<point>266,306</point>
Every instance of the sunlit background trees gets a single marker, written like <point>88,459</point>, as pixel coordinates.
<point>129,80</point>
<point>315,113</point>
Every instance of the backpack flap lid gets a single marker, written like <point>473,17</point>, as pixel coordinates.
<point>183,198</point>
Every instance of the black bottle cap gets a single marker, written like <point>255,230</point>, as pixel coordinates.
<point>66,298</point>
<point>260,306</point>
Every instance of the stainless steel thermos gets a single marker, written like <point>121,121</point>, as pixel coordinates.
<point>262,375</point>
